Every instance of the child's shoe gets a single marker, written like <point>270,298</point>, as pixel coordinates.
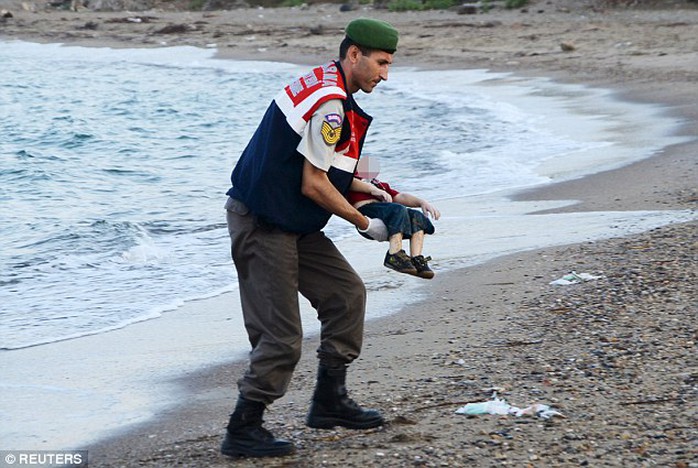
<point>422,267</point>
<point>401,262</point>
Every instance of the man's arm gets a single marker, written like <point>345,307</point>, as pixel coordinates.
<point>318,148</point>
<point>319,189</point>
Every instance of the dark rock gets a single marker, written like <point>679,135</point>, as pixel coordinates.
<point>90,25</point>
<point>176,29</point>
<point>567,46</point>
<point>468,9</point>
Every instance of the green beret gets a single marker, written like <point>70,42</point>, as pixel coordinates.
<point>374,34</point>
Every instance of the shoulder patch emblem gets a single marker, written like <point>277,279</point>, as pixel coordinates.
<point>331,128</point>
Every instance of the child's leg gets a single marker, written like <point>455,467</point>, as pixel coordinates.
<point>420,263</point>
<point>416,243</point>
<point>395,243</point>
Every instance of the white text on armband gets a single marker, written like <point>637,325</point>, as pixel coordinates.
<point>329,77</point>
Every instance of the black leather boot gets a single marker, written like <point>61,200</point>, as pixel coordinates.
<point>331,406</point>
<point>246,437</point>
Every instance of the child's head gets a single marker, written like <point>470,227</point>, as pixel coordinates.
<point>368,167</point>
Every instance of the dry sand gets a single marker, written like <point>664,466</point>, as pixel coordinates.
<point>616,356</point>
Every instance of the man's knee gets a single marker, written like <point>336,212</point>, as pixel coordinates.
<point>287,352</point>
<point>346,298</point>
<point>356,290</point>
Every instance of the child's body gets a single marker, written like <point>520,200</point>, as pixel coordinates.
<point>377,199</point>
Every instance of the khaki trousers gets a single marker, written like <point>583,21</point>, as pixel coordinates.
<point>273,266</point>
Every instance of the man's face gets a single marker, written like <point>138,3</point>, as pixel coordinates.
<point>369,70</point>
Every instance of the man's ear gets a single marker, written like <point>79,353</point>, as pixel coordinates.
<point>354,53</point>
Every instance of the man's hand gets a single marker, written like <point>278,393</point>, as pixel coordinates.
<point>376,230</point>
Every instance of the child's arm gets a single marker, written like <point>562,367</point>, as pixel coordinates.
<point>415,202</point>
<point>358,185</point>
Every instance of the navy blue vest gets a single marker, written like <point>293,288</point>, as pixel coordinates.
<point>268,175</point>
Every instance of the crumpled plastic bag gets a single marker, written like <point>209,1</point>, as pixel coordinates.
<point>575,278</point>
<point>501,407</point>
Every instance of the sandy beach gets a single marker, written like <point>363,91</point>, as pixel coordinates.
<point>616,356</point>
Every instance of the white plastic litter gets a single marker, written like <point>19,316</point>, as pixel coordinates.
<point>575,278</point>
<point>501,407</point>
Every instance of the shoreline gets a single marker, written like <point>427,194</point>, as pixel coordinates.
<point>411,366</point>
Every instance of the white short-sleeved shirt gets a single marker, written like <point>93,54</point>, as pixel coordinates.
<point>322,133</point>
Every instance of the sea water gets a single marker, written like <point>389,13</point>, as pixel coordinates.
<point>114,168</point>
<point>115,164</point>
